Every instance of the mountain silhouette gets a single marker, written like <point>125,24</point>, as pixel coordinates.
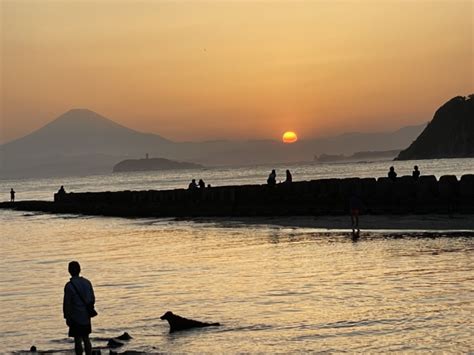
<point>449,135</point>
<point>79,142</point>
<point>82,131</point>
<point>83,142</point>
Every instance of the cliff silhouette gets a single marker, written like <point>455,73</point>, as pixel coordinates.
<point>449,135</point>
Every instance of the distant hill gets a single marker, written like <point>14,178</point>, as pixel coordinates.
<point>449,135</point>
<point>271,151</point>
<point>82,142</point>
<point>153,164</point>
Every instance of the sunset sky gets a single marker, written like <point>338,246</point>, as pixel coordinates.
<point>192,70</point>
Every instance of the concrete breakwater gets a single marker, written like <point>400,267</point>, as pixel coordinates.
<point>305,198</point>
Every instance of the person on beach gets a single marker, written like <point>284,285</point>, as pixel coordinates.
<point>355,206</point>
<point>78,298</point>
<point>289,178</point>
<point>271,181</point>
<point>12,195</point>
<point>416,172</point>
<point>392,175</point>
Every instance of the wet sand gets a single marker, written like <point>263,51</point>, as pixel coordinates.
<point>429,222</point>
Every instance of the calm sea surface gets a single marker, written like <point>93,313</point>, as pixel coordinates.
<point>273,288</point>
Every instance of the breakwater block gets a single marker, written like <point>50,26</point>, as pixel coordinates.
<point>405,195</point>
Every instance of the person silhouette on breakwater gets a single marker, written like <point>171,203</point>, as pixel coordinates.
<point>12,195</point>
<point>392,175</point>
<point>416,172</point>
<point>201,184</point>
<point>192,185</point>
<point>289,178</point>
<point>355,206</point>
<point>271,181</point>
<point>61,190</point>
<point>78,299</point>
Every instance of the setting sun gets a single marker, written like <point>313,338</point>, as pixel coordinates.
<point>289,137</point>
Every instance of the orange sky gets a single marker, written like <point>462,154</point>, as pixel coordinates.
<point>191,70</point>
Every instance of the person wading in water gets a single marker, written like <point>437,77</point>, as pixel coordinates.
<point>79,298</point>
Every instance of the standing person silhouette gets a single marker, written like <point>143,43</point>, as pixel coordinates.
<point>355,206</point>
<point>12,195</point>
<point>416,172</point>
<point>77,292</point>
<point>392,175</point>
<point>289,178</point>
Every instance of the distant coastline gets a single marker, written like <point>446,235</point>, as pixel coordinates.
<point>358,156</point>
<point>152,164</point>
<point>92,144</point>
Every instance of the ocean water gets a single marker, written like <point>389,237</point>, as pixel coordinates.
<point>273,288</point>
<point>43,189</point>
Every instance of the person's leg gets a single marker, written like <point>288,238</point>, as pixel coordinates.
<point>78,345</point>
<point>87,345</point>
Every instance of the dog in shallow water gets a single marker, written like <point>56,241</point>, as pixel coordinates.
<point>179,323</point>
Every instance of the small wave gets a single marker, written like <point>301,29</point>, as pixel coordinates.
<point>254,327</point>
<point>362,323</point>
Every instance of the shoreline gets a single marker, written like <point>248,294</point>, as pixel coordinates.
<point>430,223</point>
<point>388,223</point>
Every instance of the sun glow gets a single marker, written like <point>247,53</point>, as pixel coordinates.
<point>289,137</point>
